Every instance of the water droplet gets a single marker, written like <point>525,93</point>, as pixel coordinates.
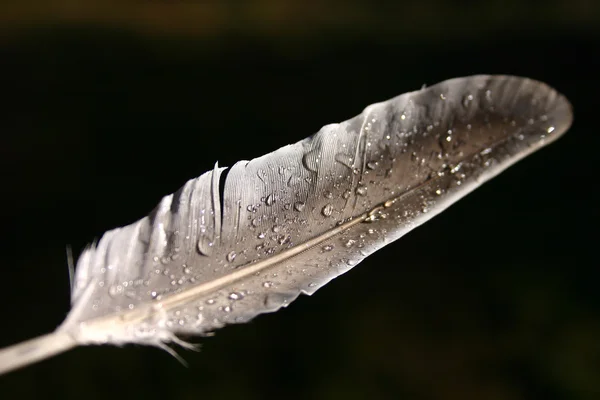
<point>270,199</point>
<point>267,284</point>
<point>346,194</point>
<point>255,222</point>
<point>210,301</point>
<point>439,192</point>
<point>312,284</point>
<point>442,96</point>
<point>328,247</point>
<point>350,243</point>
<point>205,246</point>
<point>327,194</point>
<point>361,190</point>
<point>236,296</point>
<point>299,206</point>
<point>261,235</point>
<point>456,168</point>
<point>311,160</point>
<point>403,116</point>
<point>276,228</point>
<point>154,294</point>
<point>467,100</point>
<point>231,256</point>
<point>372,164</point>
<point>373,217</point>
<point>327,210</point>
<point>227,309</point>
<point>550,129</point>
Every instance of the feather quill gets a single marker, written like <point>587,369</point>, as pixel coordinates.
<point>290,221</point>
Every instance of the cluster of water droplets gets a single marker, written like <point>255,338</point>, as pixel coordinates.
<point>432,155</point>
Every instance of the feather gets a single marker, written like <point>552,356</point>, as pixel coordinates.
<point>290,221</point>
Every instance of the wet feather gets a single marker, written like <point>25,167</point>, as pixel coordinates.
<point>288,222</point>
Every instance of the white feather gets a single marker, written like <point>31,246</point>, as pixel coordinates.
<point>292,220</point>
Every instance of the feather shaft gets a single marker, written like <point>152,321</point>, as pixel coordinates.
<point>34,350</point>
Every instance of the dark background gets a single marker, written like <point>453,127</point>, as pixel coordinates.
<point>110,105</point>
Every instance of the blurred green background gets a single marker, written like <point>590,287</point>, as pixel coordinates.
<point>108,105</point>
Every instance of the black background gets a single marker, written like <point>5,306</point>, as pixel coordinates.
<point>494,299</point>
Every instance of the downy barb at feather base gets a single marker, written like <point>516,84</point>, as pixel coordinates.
<point>292,220</point>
